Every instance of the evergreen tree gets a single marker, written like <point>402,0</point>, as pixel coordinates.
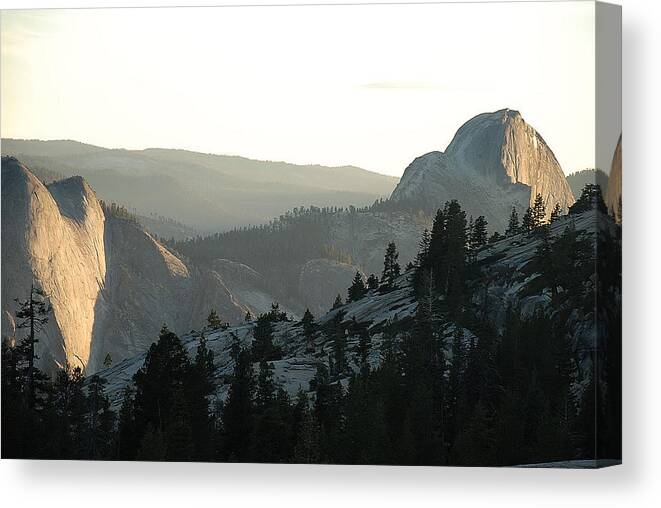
<point>13,397</point>
<point>452,277</point>
<point>201,385</point>
<point>309,330</point>
<point>269,441</point>
<point>337,303</point>
<point>338,335</point>
<point>513,226</point>
<point>307,431</point>
<point>556,213</point>
<point>391,269</point>
<point>436,260</point>
<point>364,346</point>
<point>478,236</point>
<point>238,411</point>
<point>372,282</point>
<point>127,441</point>
<point>528,222</point>
<point>107,361</point>
<point>263,346</point>
<point>100,420</point>
<point>544,255</point>
<point>328,413</point>
<point>214,322</point>
<point>65,416</point>
<point>32,315</point>
<point>160,401</point>
<point>423,249</point>
<point>248,317</point>
<point>357,289</point>
<point>591,197</point>
<point>454,388</point>
<point>275,314</point>
<point>538,212</point>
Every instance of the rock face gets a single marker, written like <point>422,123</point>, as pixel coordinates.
<point>55,237</point>
<point>111,285</point>
<point>495,161</point>
<point>614,191</point>
<point>365,236</point>
<point>321,280</point>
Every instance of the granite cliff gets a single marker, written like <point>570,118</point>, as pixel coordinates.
<point>495,161</point>
<point>110,284</point>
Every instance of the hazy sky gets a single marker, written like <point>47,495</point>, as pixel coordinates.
<point>373,86</point>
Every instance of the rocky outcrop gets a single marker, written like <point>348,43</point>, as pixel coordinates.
<point>111,285</point>
<point>364,236</point>
<point>321,280</point>
<point>495,161</point>
<point>53,236</point>
<point>507,265</point>
<point>614,192</point>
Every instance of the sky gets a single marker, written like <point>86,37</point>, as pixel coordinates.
<point>371,86</point>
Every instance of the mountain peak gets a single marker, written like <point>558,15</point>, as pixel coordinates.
<point>494,161</point>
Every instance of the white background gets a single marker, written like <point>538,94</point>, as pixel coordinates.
<point>636,483</point>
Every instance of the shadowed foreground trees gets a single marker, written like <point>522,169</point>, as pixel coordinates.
<point>448,387</point>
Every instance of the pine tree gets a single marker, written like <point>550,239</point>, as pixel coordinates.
<point>275,314</point>
<point>556,213</point>
<point>364,346</point>
<point>268,431</point>
<point>238,411</point>
<point>469,233</point>
<point>591,197</point>
<point>248,317</point>
<point>66,416</point>
<point>309,330</point>
<point>328,413</point>
<point>214,322</point>
<point>545,257</point>
<point>127,441</point>
<point>107,361</point>
<point>161,386</point>
<point>306,449</point>
<point>32,315</point>
<point>263,346</point>
<point>528,223</point>
<point>201,385</point>
<point>337,303</point>
<point>357,289</point>
<point>372,282</point>
<point>13,402</point>
<point>338,335</point>
<point>391,269</point>
<point>478,236</point>
<point>100,420</point>
<point>423,368</point>
<point>538,212</point>
<point>455,377</point>
<point>452,277</point>
<point>513,226</point>
<point>423,249</point>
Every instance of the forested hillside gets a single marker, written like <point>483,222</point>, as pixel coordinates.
<point>486,351</point>
<point>207,192</point>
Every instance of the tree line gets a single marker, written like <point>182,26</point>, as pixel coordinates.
<point>444,387</point>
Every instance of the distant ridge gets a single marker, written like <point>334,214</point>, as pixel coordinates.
<point>205,191</point>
